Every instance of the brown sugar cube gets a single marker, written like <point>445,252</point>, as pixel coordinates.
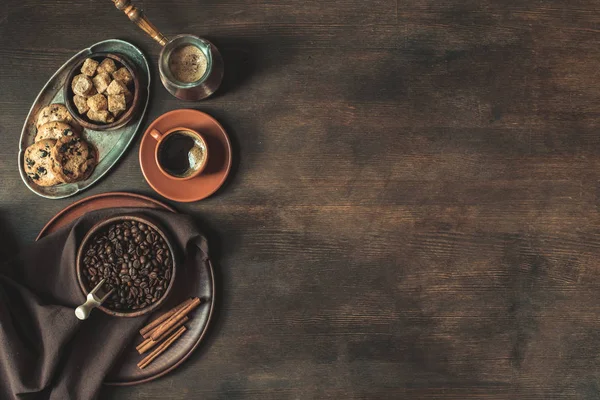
<point>116,87</point>
<point>98,116</point>
<point>116,104</point>
<point>81,104</point>
<point>101,81</point>
<point>123,75</point>
<point>97,102</point>
<point>107,66</point>
<point>89,67</point>
<point>81,85</point>
<point>92,92</point>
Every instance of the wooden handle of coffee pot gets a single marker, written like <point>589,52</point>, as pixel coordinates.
<point>138,18</point>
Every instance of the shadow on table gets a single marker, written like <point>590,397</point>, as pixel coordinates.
<point>240,58</point>
<point>245,59</point>
<point>8,243</point>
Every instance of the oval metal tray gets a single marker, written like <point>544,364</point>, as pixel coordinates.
<point>111,145</point>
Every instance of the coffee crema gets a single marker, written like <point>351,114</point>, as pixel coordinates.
<point>188,63</point>
<point>181,154</point>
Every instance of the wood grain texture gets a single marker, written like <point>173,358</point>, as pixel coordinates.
<point>413,208</point>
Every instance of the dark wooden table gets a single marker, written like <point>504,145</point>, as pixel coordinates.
<point>413,211</point>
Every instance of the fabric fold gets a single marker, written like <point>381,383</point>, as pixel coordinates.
<point>46,353</point>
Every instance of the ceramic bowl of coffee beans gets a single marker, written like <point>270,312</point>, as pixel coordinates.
<point>137,259</point>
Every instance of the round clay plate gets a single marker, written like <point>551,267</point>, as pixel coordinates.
<point>219,156</point>
<point>197,282</point>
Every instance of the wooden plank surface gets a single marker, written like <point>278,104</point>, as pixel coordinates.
<point>413,211</point>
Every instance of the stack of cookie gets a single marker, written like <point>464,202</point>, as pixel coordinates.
<point>59,154</point>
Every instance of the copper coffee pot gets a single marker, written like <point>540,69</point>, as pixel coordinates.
<point>198,90</point>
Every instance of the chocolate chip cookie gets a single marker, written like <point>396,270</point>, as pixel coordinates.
<point>53,112</point>
<point>74,159</point>
<point>54,130</point>
<point>38,163</point>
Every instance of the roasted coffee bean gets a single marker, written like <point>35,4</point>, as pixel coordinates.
<point>151,238</point>
<point>143,250</point>
<point>134,259</point>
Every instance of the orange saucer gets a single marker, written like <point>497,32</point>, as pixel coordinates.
<point>217,168</point>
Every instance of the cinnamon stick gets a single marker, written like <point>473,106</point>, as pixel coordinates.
<point>146,330</point>
<point>174,319</point>
<point>161,348</point>
<point>140,346</point>
<point>149,343</point>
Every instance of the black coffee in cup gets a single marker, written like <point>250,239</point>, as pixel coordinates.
<point>181,154</point>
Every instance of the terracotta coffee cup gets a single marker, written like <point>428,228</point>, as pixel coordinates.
<point>181,153</point>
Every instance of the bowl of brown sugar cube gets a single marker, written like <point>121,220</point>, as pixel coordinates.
<point>102,91</point>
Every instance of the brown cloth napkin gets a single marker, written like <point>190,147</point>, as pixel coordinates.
<point>45,351</point>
